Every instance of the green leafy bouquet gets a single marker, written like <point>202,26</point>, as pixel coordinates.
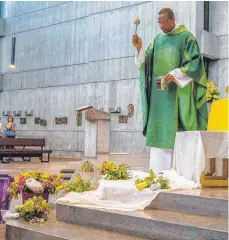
<point>152,179</point>
<point>79,185</point>
<point>114,172</point>
<point>35,209</point>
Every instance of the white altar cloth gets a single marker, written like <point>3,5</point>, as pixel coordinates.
<point>122,195</point>
<point>193,148</point>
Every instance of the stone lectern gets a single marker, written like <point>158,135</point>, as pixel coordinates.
<point>97,131</point>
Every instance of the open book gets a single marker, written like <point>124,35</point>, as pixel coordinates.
<point>83,108</point>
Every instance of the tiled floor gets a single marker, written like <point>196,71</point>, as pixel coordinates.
<point>54,166</point>
<point>14,168</point>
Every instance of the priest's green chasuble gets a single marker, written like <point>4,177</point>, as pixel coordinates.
<point>175,109</point>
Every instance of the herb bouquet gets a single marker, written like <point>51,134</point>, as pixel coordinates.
<point>110,171</point>
<point>35,209</point>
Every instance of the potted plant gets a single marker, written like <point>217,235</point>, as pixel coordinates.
<point>51,183</point>
<point>35,209</point>
<point>87,170</point>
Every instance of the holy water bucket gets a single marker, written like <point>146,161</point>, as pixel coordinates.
<point>26,196</point>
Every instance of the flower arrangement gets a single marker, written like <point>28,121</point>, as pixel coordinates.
<point>79,185</point>
<point>35,209</point>
<point>152,179</point>
<point>212,92</point>
<point>87,167</point>
<point>114,172</point>
<point>52,183</point>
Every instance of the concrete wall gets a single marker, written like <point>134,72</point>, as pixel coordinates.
<point>218,70</point>
<point>69,54</point>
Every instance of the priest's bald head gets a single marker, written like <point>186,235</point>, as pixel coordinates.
<point>166,20</point>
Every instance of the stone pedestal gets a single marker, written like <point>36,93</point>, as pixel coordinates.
<point>97,132</point>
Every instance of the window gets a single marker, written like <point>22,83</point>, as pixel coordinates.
<point>1,9</point>
<point>206,15</point>
<point>206,64</point>
<point>12,62</point>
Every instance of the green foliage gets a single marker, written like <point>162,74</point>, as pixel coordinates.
<point>164,183</point>
<point>119,172</point>
<point>114,172</point>
<point>106,166</point>
<point>35,209</point>
<point>152,179</point>
<point>79,185</point>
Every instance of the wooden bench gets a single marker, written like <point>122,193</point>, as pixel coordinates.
<point>27,149</point>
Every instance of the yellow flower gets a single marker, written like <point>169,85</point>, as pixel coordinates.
<point>212,91</point>
<point>58,188</point>
<point>215,96</point>
<point>211,84</point>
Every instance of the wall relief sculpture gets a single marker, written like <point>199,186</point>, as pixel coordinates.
<point>37,120</point>
<point>78,118</point>
<point>22,120</point>
<point>63,120</point>
<point>43,122</point>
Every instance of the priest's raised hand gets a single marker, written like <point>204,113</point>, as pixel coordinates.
<point>137,42</point>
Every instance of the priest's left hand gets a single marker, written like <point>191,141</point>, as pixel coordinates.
<point>168,79</point>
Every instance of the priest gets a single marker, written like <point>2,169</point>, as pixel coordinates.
<point>173,55</point>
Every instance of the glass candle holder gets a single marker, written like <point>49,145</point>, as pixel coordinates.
<point>160,85</point>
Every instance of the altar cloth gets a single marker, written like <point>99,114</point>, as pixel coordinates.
<point>122,195</point>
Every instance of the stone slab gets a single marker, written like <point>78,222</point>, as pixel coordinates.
<point>209,44</point>
<point>56,230</point>
<point>192,204</point>
<point>67,170</point>
<point>153,224</point>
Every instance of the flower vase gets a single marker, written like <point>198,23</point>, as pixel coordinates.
<point>26,196</point>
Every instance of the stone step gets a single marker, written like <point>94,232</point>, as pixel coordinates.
<point>56,230</point>
<point>66,176</point>
<point>67,170</point>
<point>190,201</point>
<point>153,224</point>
